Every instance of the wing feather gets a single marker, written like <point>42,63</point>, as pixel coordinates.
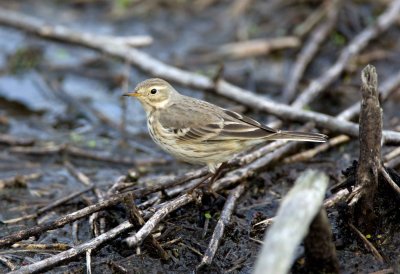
<point>210,123</point>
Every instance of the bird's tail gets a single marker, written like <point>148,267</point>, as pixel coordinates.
<point>299,136</point>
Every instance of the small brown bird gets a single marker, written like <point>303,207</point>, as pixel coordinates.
<point>198,132</point>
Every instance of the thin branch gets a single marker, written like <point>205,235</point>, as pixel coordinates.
<point>15,141</point>
<point>59,258</point>
<point>19,180</point>
<point>310,49</point>
<point>251,169</point>
<point>157,217</point>
<point>383,22</point>
<point>52,205</point>
<point>60,222</point>
<point>111,201</point>
<point>84,153</point>
<point>252,48</point>
<point>386,89</point>
<point>137,220</point>
<point>223,221</point>
<point>308,154</point>
<point>392,154</point>
<point>7,263</point>
<point>367,244</point>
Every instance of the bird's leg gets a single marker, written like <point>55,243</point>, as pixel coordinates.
<point>199,183</point>
<point>214,176</point>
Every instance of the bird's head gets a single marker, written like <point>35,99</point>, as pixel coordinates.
<point>153,93</point>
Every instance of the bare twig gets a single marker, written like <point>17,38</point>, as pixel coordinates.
<point>31,246</point>
<point>82,178</point>
<point>312,20</point>
<point>393,163</point>
<point>386,89</point>
<point>310,49</point>
<point>15,141</point>
<point>80,152</point>
<point>89,261</point>
<point>75,251</point>
<point>137,220</point>
<point>222,223</point>
<point>384,271</point>
<point>19,180</point>
<point>384,21</point>
<point>65,34</point>
<point>308,154</point>
<point>391,155</point>
<point>367,244</point>
<point>7,263</point>
<point>157,217</point>
<point>266,222</point>
<point>52,205</point>
<point>252,48</point>
<point>60,222</point>
<point>251,169</point>
<point>108,202</point>
<point>288,229</point>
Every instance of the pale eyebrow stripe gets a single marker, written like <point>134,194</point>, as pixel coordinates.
<point>158,87</point>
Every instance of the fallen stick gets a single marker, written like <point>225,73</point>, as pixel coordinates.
<point>84,153</point>
<point>290,224</point>
<point>310,49</point>
<point>52,205</point>
<point>308,154</point>
<point>7,263</point>
<point>386,89</point>
<point>15,141</point>
<point>137,220</point>
<point>109,235</point>
<point>60,222</point>
<point>18,180</point>
<point>111,201</point>
<point>149,226</point>
<point>223,221</point>
<point>252,48</point>
<point>367,244</point>
<point>59,258</point>
<point>383,22</point>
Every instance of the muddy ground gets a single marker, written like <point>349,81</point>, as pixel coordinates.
<point>53,93</point>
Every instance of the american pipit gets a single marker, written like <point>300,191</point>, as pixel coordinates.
<point>199,132</point>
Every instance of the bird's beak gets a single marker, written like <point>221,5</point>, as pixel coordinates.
<point>132,94</point>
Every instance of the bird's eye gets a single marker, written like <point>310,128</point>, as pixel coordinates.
<point>153,91</point>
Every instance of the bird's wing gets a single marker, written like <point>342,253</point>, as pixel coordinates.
<point>242,127</point>
<point>207,122</point>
